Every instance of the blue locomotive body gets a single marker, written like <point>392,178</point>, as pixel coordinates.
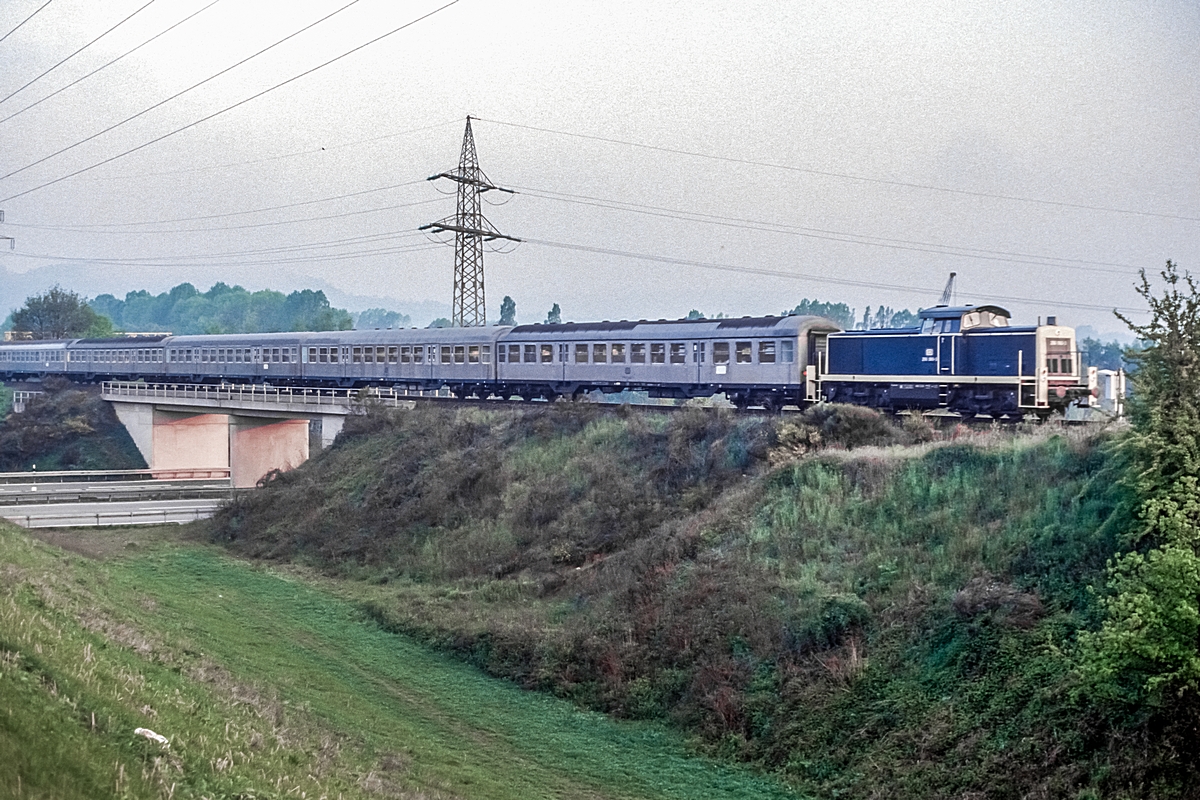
<point>965,359</point>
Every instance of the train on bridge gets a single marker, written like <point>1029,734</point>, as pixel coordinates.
<point>964,359</point>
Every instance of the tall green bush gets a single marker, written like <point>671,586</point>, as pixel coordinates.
<point>1146,650</point>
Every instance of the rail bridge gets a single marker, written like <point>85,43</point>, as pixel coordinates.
<point>244,431</point>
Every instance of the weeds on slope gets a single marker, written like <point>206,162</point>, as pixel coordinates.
<point>848,601</point>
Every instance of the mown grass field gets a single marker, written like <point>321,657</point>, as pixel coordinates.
<point>269,687</point>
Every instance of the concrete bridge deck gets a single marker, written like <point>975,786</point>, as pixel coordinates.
<point>248,429</point>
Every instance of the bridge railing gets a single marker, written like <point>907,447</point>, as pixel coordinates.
<point>124,475</point>
<point>256,393</point>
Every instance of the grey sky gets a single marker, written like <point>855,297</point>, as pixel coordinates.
<point>1071,104</point>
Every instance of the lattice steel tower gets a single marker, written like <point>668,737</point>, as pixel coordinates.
<point>471,229</point>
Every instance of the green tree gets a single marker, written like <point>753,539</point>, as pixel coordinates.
<point>508,311</point>
<point>58,314</point>
<point>1103,355</point>
<point>1146,648</point>
<point>553,316</point>
<point>695,313</point>
<point>839,313</point>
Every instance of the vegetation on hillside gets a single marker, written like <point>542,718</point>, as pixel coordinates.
<point>1145,656</point>
<point>67,427</point>
<point>223,309</point>
<point>896,616</point>
<point>267,688</point>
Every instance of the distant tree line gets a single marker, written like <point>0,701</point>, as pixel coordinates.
<point>379,318</point>
<point>225,309</point>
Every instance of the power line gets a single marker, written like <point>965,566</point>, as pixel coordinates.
<point>98,228</point>
<point>179,93</point>
<point>412,248</point>
<point>110,63</point>
<point>77,52</point>
<point>844,176</point>
<point>773,273</point>
<point>271,224</point>
<point>235,105</point>
<point>22,22</point>
<point>309,152</point>
<point>834,236</point>
<point>324,244</point>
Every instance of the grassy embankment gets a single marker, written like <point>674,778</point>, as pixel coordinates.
<point>69,427</point>
<point>893,620</point>
<point>269,688</point>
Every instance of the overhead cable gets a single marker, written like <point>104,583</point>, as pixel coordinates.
<point>22,22</point>
<point>843,175</point>
<point>233,106</point>
<point>160,103</point>
<point>110,63</point>
<point>77,52</point>
<point>774,273</point>
<point>836,236</point>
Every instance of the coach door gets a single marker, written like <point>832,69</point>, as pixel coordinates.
<point>818,362</point>
<point>946,355</point>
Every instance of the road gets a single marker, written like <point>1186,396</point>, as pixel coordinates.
<point>86,514</point>
<point>30,493</point>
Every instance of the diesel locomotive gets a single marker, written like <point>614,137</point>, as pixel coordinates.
<point>965,359</point>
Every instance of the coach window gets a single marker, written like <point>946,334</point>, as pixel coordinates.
<point>600,354</point>
<point>220,355</point>
<point>358,355</point>
<point>501,354</point>
<point>766,352</point>
<point>486,354</point>
<point>618,354</point>
<point>658,353</point>
<point>637,353</point>
<point>275,355</point>
<point>312,355</point>
<point>787,351</point>
<point>581,351</point>
<point>447,354</point>
<point>745,354</point>
<point>418,354</point>
<point>531,354</point>
<point>514,353</point>
<point>460,354</point>
<point>678,352</point>
<point>473,354</point>
<point>547,353</point>
<point>393,355</point>
<point>720,352</point>
<point>368,355</point>
<point>564,352</point>
<point>405,355</point>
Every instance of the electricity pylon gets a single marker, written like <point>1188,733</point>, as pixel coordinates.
<point>471,229</point>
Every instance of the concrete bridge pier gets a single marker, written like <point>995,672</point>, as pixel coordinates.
<point>246,447</point>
